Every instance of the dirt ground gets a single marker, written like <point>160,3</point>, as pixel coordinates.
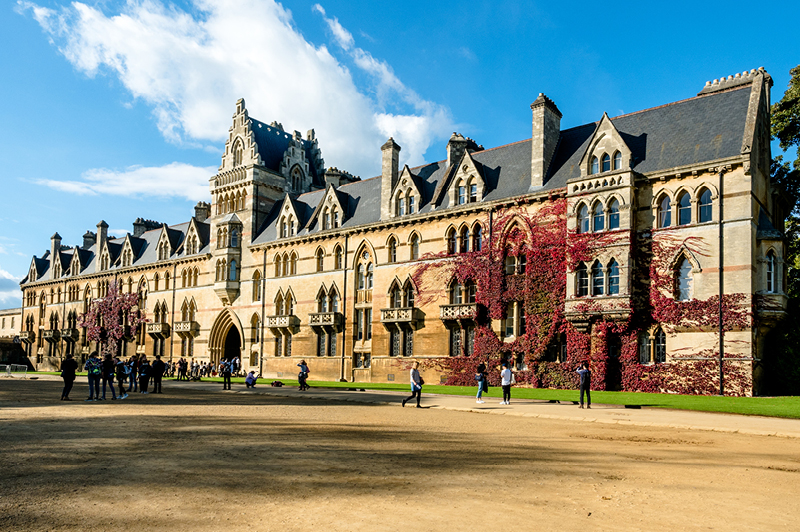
<point>193,460</point>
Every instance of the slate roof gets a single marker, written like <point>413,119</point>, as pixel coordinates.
<point>273,143</point>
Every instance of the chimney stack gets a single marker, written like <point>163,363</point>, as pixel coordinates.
<point>202,211</point>
<point>138,227</point>
<point>456,147</point>
<point>389,172</point>
<point>55,251</point>
<point>89,239</point>
<point>333,177</point>
<point>546,131</point>
<point>102,234</point>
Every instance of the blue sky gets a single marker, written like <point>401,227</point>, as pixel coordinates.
<point>116,110</point>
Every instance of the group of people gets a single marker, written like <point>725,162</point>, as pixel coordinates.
<point>136,371</point>
<point>506,381</point>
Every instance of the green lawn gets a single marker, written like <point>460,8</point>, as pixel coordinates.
<point>788,407</point>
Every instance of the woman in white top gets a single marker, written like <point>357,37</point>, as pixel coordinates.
<point>416,384</point>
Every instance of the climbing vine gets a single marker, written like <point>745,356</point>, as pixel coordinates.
<point>525,261</point>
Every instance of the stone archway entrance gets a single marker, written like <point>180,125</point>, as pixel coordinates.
<point>225,340</point>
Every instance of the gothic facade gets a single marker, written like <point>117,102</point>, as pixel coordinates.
<point>290,260</point>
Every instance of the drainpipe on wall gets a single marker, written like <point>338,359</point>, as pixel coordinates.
<point>172,314</point>
<point>344,311</point>
<point>721,285</point>
<point>63,320</point>
<point>263,307</point>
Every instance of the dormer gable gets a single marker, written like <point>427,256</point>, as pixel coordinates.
<point>606,151</point>
<point>129,251</point>
<point>164,248</point>
<point>104,257</point>
<point>75,265</point>
<point>240,149</point>
<point>33,271</point>
<point>466,183</point>
<point>407,195</point>
<point>331,212</point>
<point>288,219</point>
<point>193,242</point>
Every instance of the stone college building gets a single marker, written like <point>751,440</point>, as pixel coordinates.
<point>291,260</point>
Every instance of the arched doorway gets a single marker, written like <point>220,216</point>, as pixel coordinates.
<point>233,344</point>
<point>225,340</point>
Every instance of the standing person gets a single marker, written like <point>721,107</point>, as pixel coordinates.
<point>506,380</point>
<point>158,372</point>
<point>302,377</point>
<point>133,371</point>
<point>108,376</point>
<point>119,368</point>
<point>94,370</point>
<point>144,374</point>
<point>416,384</point>
<point>586,383</point>
<point>483,383</point>
<point>68,369</point>
<point>225,370</point>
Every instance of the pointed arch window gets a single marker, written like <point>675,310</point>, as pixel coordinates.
<point>320,260</point>
<point>684,209</point>
<point>705,206</point>
<point>410,200</point>
<point>461,193</point>
<point>456,294</point>
<point>664,212</point>
<point>582,281</point>
<point>771,284</point>
<point>392,250</point>
<point>401,205</point>
<point>326,219</point>
<point>613,215</point>
<point>234,238</point>
<point>396,297</point>
<point>339,259</point>
<point>477,244</point>
<point>257,286</point>
<point>464,240</point>
<point>473,191</point>
<point>293,264</point>
<point>255,328</point>
<point>369,276</point>
<point>334,297</point>
<point>617,161</point>
<point>451,241</point>
<point>613,278</point>
<point>408,295</point>
<point>238,151</point>
<point>597,279</point>
<point>470,290</point>
<point>599,217</point>
<point>414,247</point>
<point>595,166</point>
<point>660,347</point>
<point>683,280</point>
<point>233,274</point>
<point>361,277</point>
<point>583,219</point>
<point>606,162</point>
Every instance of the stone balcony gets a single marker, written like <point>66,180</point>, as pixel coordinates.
<point>187,329</point>
<point>463,311</point>
<point>70,334</point>
<point>51,335</point>
<point>326,320</point>
<point>158,329</point>
<point>279,324</point>
<point>27,337</point>
<point>399,316</point>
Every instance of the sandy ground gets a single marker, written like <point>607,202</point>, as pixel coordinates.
<point>205,460</point>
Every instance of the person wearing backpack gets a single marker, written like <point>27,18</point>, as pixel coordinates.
<point>94,371</point>
<point>108,376</point>
<point>302,377</point>
<point>132,372</point>
<point>225,370</point>
<point>120,372</point>
<point>586,383</point>
<point>144,374</point>
<point>483,382</point>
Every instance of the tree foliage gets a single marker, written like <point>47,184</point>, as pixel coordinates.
<point>112,318</point>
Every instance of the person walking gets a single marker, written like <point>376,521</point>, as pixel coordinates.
<point>225,370</point>
<point>416,384</point>
<point>302,377</point>
<point>586,383</point>
<point>158,372</point>
<point>68,369</point>
<point>120,371</point>
<point>483,383</point>
<point>144,374</point>
<point>94,371</point>
<point>108,376</point>
<point>506,380</point>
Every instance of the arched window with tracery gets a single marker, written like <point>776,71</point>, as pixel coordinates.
<point>684,209</point>
<point>320,260</point>
<point>617,161</point>
<point>464,240</point>
<point>461,192</point>
<point>598,279</point>
<point>581,280</point>
<point>613,278</point>
<point>613,215</point>
<point>683,280</point>
<point>595,165</point>
<point>606,162</point>
<point>664,212</point>
<point>583,219</point>
<point>477,237</point>
<point>599,217</point>
<point>456,293</point>
<point>392,250</point>
<point>704,214</point>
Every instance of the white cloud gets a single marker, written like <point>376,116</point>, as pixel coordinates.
<point>10,294</point>
<point>172,180</point>
<point>191,69</point>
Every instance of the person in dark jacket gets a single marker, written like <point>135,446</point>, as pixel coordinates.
<point>225,370</point>
<point>144,374</point>
<point>483,383</point>
<point>94,371</point>
<point>302,377</point>
<point>586,384</point>
<point>120,371</point>
<point>108,376</point>
<point>68,369</point>
<point>158,371</point>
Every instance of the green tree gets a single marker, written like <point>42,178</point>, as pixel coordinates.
<point>782,371</point>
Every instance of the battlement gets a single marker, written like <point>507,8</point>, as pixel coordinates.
<point>735,80</point>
